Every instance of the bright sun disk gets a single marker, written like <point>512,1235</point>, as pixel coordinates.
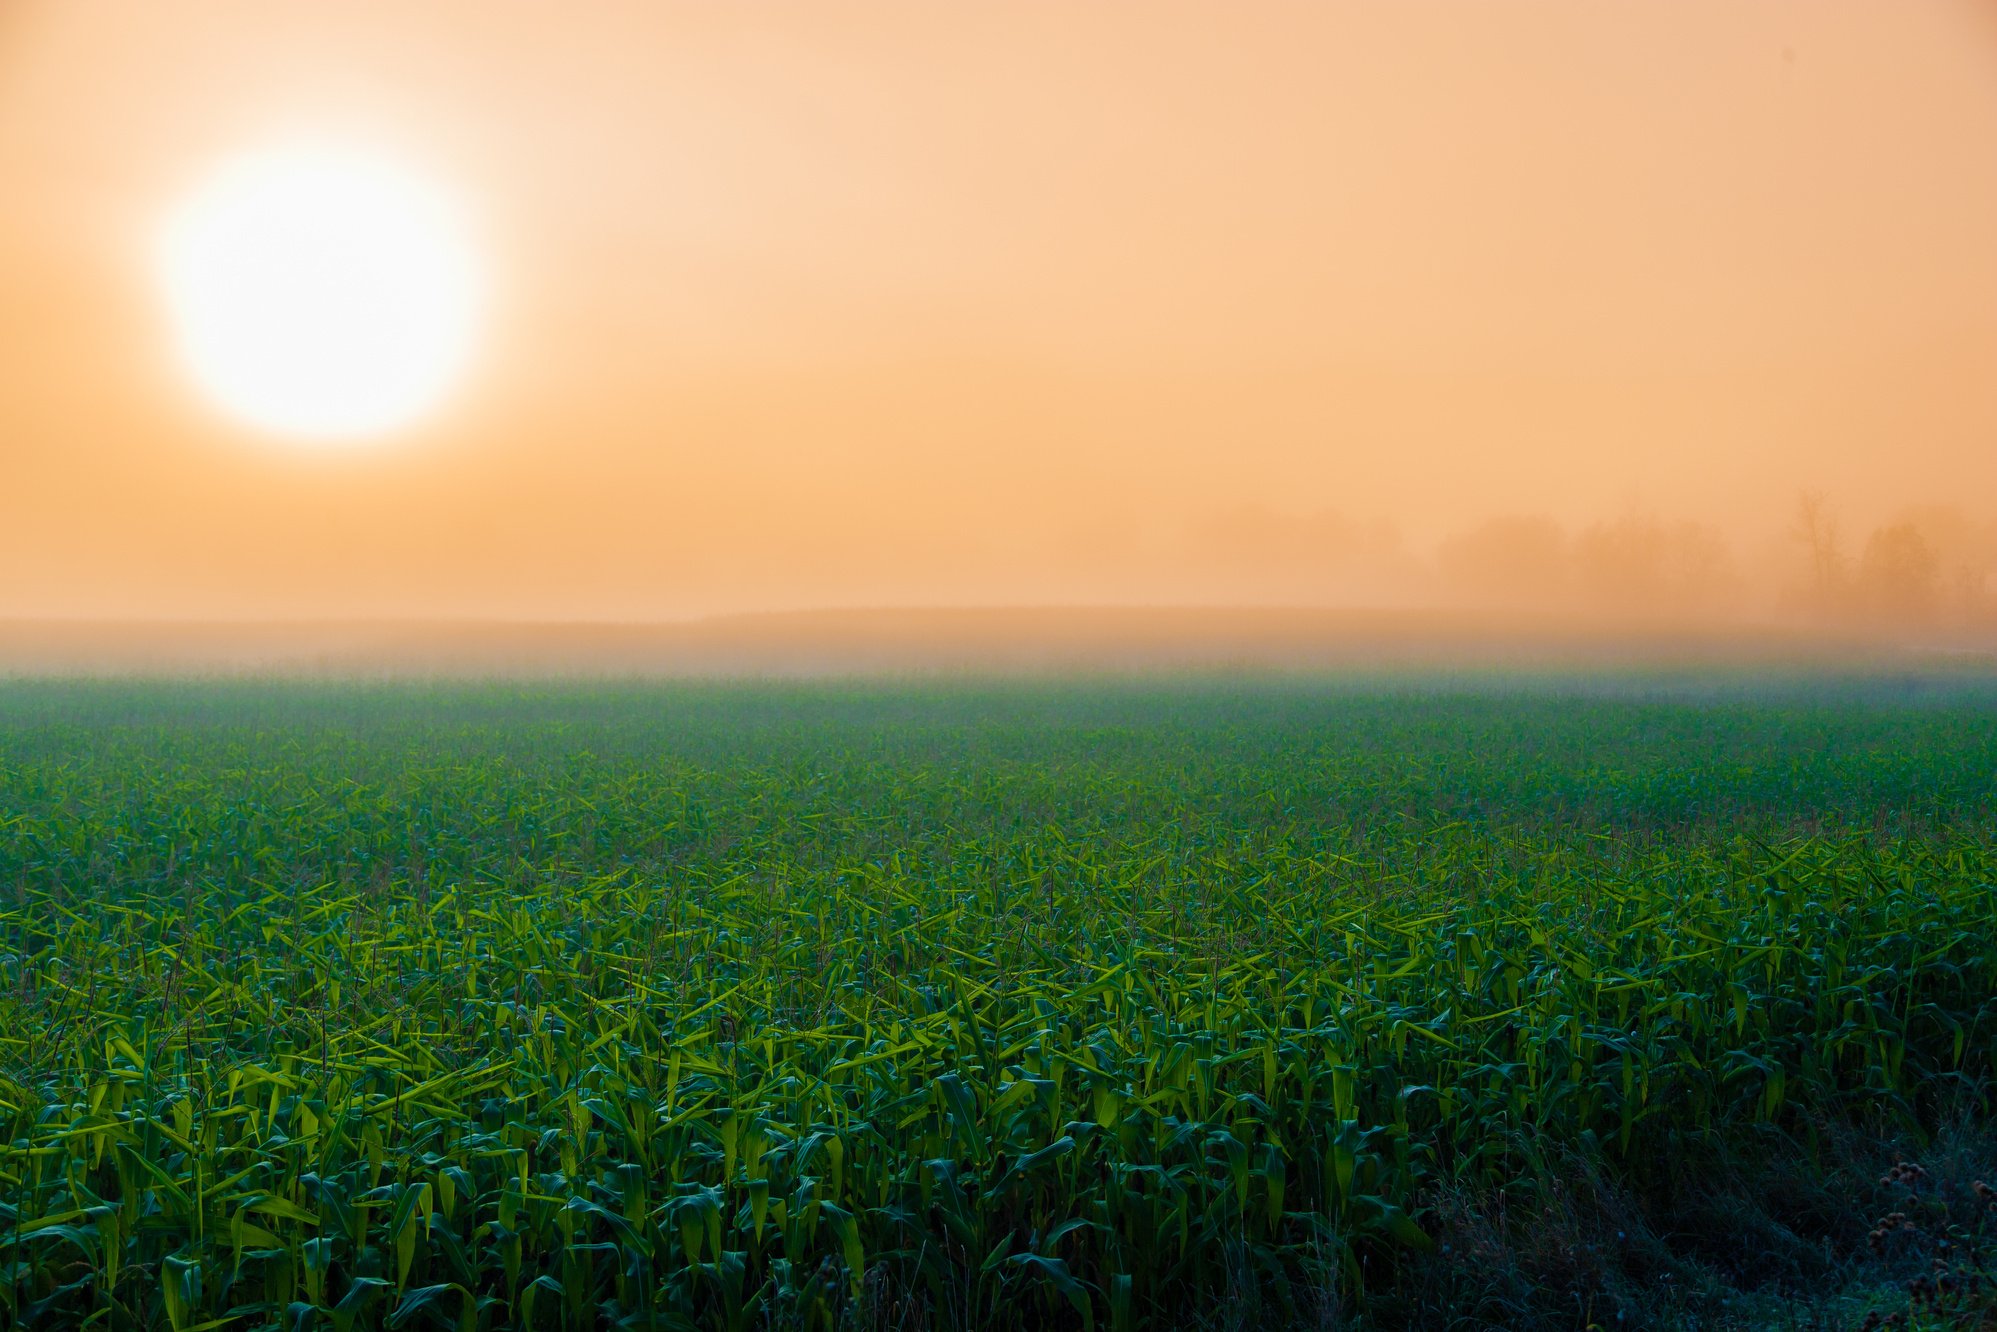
<point>321,293</point>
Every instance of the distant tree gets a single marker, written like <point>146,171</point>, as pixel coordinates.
<point>1817,530</point>
<point>1899,575</point>
<point>1966,550</point>
<point>1967,596</point>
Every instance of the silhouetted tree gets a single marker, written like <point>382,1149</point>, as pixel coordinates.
<point>1966,551</point>
<point>1817,530</point>
<point>1899,575</point>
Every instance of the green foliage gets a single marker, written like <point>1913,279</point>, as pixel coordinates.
<point>743,1006</point>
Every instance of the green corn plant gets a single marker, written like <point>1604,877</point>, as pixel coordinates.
<point>731,1006</point>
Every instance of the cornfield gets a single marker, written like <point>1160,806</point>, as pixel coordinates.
<point>819,1005</point>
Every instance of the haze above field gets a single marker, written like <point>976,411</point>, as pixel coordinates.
<point>1555,306</point>
<point>1043,641</point>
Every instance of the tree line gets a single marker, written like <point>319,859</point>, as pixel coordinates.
<point>1926,568</point>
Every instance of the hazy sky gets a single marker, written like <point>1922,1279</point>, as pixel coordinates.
<point>814,304</point>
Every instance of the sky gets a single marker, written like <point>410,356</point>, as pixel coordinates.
<point>807,305</point>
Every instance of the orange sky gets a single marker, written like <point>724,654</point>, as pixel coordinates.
<point>809,304</point>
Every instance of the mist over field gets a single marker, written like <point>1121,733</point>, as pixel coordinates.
<point>1256,591</point>
<point>1044,642</point>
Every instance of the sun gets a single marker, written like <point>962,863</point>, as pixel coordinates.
<point>321,293</point>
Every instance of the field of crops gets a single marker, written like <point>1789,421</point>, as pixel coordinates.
<point>815,1005</point>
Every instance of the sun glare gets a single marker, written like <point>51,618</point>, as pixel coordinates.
<point>321,293</point>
